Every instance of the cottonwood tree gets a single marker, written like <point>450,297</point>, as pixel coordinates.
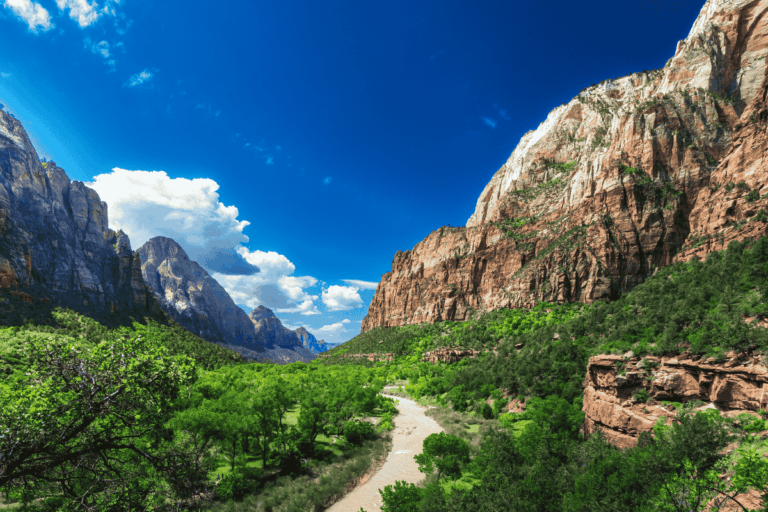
<point>90,423</point>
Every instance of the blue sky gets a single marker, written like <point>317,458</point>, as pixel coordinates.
<point>308,139</point>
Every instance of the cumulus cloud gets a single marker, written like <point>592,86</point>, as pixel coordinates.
<point>362,285</point>
<point>342,298</point>
<point>334,329</point>
<point>274,286</point>
<point>100,48</point>
<point>145,204</point>
<point>80,10</point>
<point>139,78</point>
<point>33,13</point>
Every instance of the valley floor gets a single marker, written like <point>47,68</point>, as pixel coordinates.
<point>412,427</point>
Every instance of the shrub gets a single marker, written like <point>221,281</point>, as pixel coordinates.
<point>235,485</point>
<point>753,195</point>
<point>642,395</point>
<point>358,431</point>
<point>401,497</point>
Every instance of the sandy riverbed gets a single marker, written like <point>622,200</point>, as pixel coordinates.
<point>412,426</point>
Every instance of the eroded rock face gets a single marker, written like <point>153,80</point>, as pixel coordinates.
<point>54,236</point>
<point>608,188</point>
<point>309,341</point>
<point>449,355</point>
<point>193,298</point>
<point>189,295</point>
<point>614,385</point>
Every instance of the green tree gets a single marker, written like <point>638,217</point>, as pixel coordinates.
<point>401,497</point>
<point>92,424</point>
<point>443,453</point>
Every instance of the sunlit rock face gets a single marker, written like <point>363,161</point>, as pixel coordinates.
<point>189,295</point>
<point>619,181</point>
<point>192,297</point>
<point>55,240</point>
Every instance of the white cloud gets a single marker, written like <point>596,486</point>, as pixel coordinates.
<point>100,48</point>
<point>342,298</point>
<point>334,329</point>
<point>80,10</point>
<point>145,204</point>
<point>490,122</point>
<point>362,285</point>
<point>33,13</point>
<point>139,78</point>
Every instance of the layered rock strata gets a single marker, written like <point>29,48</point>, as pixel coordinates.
<point>55,239</point>
<point>624,397</point>
<point>610,186</point>
<point>449,355</point>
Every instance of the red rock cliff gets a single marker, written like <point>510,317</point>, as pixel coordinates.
<point>612,401</point>
<point>628,176</point>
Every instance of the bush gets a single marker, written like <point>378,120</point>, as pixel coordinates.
<point>753,195</point>
<point>358,431</point>
<point>401,497</point>
<point>487,412</point>
<point>236,485</point>
<point>386,423</point>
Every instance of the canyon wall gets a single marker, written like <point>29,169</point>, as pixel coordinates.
<point>632,174</point>
<point>54,237</point>
<point>624,396</point>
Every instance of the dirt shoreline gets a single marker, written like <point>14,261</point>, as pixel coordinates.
<point>412,426</point>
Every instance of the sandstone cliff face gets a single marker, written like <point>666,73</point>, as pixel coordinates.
<point>192,297</point>
<point>739,384</point>
<point>54,236</point>
<point>610,186</point>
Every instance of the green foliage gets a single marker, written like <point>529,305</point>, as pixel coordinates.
<point>401,497</point>
<point>443,453</point>
<point>358,431</point>
<point>753,196</point>
<point>90,422</point>
<point>642,395</point>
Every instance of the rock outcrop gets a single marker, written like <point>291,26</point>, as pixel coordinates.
<point>626,177</point>
<point>624,397</point>
<point>55,240</point>
<point>309,341</point>
<point>189,295</point>
<point>449,355</point>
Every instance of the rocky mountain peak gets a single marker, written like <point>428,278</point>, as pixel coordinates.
<point>261,313</point>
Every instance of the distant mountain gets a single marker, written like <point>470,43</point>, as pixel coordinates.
<point>192,297</point>
<point>189,295</point>
<point>310,342</point>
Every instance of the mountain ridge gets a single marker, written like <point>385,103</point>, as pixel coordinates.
<point>611,186</point>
